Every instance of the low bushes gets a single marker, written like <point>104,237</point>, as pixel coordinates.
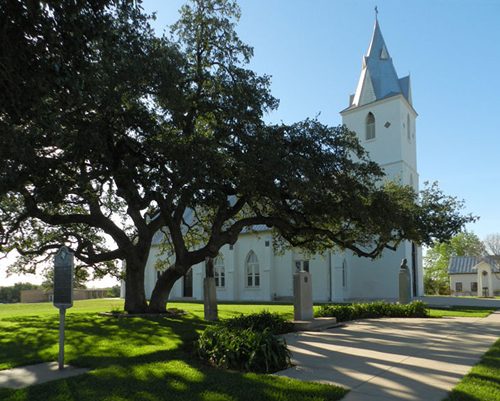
<point>247,343</point>
<point>259,322</point>
<point>373,310</point>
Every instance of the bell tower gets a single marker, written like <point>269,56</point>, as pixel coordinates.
<point>381,113</point>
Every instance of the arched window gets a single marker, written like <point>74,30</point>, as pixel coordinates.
<point>370,126</point>
<point>408,127</point>
<point>219,272</point>
<point>252,270</point>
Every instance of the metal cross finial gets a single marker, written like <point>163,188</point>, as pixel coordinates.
<point>376,12</point>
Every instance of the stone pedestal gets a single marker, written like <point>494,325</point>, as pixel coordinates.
<point>210,299</point>
<point>302,295</point>
<point>404,286</point>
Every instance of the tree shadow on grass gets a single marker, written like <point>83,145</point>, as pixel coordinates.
<point>91,340</point>
<point>143,359</point>
<point>161,377</point>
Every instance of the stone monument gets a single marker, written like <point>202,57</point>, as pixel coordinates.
<point>302,296</point>
<point>404,283</point>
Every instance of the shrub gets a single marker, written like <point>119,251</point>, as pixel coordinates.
<point>247,350</point>
<point>275,322</point>
<point>373,310</point>
<point>247,342</point>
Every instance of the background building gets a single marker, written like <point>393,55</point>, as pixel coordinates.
<point>474,276</point>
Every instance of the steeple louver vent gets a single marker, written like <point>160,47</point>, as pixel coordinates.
<point>378,78</point>
<point>383,54</point>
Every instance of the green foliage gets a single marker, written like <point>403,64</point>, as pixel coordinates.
<point>246,342</point>
<point>80,277</point>
<point>113,292</point>
<point>246,350</point>
<point>373,310</point>
<point>437,259</point>
<point>12,294</point>
<point>274,322</point>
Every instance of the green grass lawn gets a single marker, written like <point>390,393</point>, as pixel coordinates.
<point>143,359</point>
<point>482,383</point>
<point>461,311</point>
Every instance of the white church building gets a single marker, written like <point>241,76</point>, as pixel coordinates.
<point>382,115</point>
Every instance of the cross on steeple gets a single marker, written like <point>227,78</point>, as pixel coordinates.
<point>376,12</point>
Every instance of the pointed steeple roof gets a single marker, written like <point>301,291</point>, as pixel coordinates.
<point>378,78</point>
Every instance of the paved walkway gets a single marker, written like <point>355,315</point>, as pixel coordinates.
<point>460,301</point>
<point>393,359</point>
<point>35,374</point>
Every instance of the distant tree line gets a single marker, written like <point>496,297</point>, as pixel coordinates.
<point>12,294</point>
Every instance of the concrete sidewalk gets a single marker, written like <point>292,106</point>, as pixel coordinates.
<point>36,374</point>
<point>393,359</point>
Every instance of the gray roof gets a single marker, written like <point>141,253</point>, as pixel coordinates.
<point>378,76</point>
<point>404,83</point>
<point>256,228</point>
<point>467,264</point>
<point>385,80</point>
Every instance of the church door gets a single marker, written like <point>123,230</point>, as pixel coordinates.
<point>187,290</point>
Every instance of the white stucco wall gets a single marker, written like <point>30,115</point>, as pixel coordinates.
<point>391,145</point>
<point>374,279</point>
<point>483,276</point>
<point>396,153</point>
<point>466,280</point>
<point>276,272</point>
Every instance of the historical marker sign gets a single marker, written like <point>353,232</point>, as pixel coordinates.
<point>63,278</point>
<point>63,292</point>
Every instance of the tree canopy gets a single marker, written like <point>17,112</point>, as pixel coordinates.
<point>109,134</point>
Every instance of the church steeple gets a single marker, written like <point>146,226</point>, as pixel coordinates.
<point>384,121</point>
<point>378,78</point>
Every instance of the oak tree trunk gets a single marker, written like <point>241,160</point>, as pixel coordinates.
<point>164,284</point>
<point>210,292</point>
<point>135,295</point>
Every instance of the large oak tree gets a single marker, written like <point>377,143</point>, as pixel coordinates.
<point>109,134</point>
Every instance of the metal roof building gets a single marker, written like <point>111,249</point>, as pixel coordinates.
<point>467,264</point>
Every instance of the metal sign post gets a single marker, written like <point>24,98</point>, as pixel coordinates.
<point>63,292</point>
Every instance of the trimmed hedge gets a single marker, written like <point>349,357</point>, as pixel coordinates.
<point>373,310</point>
<point>246,343</point>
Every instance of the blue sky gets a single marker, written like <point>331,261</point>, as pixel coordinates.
<point>313,51</point>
